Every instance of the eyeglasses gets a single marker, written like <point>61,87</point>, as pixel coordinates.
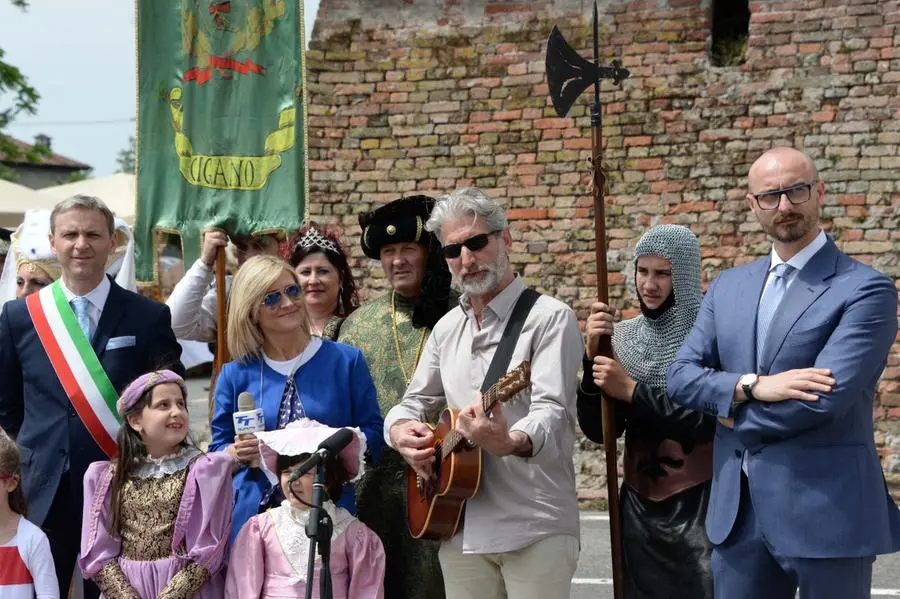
<point>475,243</point>
<point>273,299</point>
<point>259,244</point>
<point>798,194</point>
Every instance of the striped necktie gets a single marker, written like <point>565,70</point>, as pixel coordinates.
<point>80,307</point>
<point>769,304</point>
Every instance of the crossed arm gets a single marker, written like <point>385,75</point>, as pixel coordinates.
<point>855,354</point>
<point>854,357</point>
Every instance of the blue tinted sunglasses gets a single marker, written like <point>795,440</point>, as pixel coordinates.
<point>273,299</point>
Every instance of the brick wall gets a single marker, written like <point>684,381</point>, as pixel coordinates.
<point>429,95</point>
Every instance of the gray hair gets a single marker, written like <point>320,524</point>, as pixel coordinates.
<point>469,201</point>
<point>83,202</point>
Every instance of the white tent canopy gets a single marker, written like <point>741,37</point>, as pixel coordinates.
<point>15,199</point>
<point>116,191</point>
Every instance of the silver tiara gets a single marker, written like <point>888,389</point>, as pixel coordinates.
<point>314,237</point>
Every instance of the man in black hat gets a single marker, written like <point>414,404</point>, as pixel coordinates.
<point>391,331</point>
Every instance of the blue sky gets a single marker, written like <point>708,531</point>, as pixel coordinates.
<point>80,56</point>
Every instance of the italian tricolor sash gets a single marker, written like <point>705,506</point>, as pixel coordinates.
<point>77,366</point>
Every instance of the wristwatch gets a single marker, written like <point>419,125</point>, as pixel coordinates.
<point>747,382</point>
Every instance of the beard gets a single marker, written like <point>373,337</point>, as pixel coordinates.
<point>790,227</point>
<point>486,279</point>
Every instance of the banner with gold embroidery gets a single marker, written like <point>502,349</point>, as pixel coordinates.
<point>221,121</point>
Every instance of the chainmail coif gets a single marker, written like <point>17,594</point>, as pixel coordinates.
<point>645,346</point>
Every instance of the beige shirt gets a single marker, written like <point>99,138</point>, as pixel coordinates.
<point>193,305</point>
<point>520,500</point>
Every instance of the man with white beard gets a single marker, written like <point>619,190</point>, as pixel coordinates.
<point>519,536</point>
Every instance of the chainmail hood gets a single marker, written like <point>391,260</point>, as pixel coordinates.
<point>646,346</point>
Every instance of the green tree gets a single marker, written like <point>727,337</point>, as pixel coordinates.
<point>76,176</point>
<point>24,100</point>
<point>125,159</point>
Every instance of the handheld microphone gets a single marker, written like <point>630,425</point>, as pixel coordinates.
<point>248,419</point>
<point>331,446</point>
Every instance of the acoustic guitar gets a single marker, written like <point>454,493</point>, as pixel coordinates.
<point>434,506</point>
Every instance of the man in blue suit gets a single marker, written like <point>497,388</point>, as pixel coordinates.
<point>787,352</point>
<point>129,334</point>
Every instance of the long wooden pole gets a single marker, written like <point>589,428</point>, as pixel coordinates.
<point>222,355</point>
<point>607,407</point>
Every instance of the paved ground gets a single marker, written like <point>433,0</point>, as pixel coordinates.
<point>593,578</point>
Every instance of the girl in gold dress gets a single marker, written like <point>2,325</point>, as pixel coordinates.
<point>156,520</point>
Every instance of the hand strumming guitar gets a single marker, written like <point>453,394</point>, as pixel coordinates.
<point>492,433</point>
<point>415,443</point>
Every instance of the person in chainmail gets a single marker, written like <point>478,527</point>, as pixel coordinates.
<point>668,448</point>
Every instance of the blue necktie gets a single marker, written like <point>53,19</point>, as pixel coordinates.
<point>769,304</point>
<point>80,307</point>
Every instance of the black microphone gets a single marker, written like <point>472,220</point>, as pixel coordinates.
<point>327,448</point>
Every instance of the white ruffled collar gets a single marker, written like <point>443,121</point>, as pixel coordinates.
<point>149,467</point>
<point>290,528</point>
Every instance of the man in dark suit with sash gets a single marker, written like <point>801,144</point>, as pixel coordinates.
<point>65,353</point>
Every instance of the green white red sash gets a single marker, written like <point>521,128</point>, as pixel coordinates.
<point>77,366</point>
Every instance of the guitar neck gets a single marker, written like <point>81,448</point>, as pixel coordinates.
<point>489,399</point>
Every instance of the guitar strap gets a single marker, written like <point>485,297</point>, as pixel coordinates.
<point>503,355</point>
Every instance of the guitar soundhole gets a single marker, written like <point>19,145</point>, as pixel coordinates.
<point>429,488</point>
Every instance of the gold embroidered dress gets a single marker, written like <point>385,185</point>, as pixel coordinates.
<point>391,346</point>
<point>173,529</point>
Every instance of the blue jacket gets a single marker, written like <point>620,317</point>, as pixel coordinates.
<point>335,388</point>
<point>814,475</point>
<point>35,409</point>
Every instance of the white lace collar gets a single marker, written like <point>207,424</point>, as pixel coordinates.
<point>290,528</point>
<point>150,467</point>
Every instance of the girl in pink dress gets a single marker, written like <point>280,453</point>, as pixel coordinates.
<point>270,553</point>
<point>156,520</point>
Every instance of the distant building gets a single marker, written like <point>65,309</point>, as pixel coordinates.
<point>46,169</point>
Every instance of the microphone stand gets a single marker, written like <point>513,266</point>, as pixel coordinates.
<point>318,529</point>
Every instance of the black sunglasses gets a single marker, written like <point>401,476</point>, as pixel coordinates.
<point>475,243</point>
<point>273,299</point>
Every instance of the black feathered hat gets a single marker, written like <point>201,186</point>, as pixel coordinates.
<point>400,221</point>
<point>403,221</point>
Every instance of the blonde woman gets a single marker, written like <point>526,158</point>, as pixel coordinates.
<point>291,374</point>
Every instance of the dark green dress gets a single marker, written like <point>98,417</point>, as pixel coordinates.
<point>412,568</point>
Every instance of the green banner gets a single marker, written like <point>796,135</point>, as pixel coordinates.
<point>221,121</point>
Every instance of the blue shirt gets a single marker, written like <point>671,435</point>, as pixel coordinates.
<point>335,388</point>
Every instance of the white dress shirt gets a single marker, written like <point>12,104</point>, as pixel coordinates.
<point>96,299</point>
<point>520,500</point>
<point>798,261</point>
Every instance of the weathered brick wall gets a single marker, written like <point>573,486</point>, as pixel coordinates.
<point>429,95</point>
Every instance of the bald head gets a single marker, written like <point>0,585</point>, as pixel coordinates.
<point>776,164</point>
<point>786,195</point>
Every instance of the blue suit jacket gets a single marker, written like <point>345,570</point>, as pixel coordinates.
<point>335,388</point>
<point>35,409</point>
<point>814,476</point>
